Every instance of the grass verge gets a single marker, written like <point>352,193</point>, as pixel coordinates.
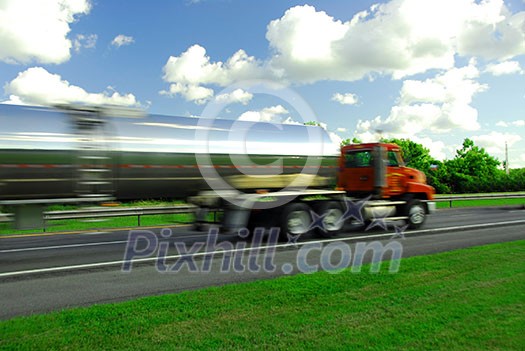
<point>470,299</point>
<point>481,202</point>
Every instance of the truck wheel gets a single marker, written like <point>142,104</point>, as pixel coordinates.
<point>416,213</point>
<point>332,221</point>
<point>295,220</point>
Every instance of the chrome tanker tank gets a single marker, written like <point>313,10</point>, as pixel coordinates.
<point>49,153</point>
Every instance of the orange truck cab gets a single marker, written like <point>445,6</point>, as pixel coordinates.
<point>378,170</point>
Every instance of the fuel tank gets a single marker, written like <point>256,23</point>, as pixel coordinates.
<point>67,152</point>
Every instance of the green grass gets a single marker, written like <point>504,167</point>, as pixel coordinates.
<point>470,299</point>
<point>481,202</point>
<point>481,194</point>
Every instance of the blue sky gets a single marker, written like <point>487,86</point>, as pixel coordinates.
<point>435,71</point>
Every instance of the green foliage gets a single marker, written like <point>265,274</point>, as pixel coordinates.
<point>350,141</point>
<point>417,156</point>
<point>472,170</point>
<point>312,123</point>
<point>437,176</point>
<point>516,178</point>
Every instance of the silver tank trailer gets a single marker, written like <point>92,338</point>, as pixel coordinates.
<point>50,153</point>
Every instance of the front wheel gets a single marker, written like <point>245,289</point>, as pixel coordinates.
<point>416,212</point>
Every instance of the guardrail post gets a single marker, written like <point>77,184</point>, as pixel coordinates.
<point>138,219</point>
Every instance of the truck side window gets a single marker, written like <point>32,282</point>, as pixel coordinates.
<point>392,159</point>
<point>355,159</point>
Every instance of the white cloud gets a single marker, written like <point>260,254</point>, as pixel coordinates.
<point>507,67</point>
<point>290,120</point>
<point>335,138</point>
<point>345,99</point>
<point>191,92</point>
<point>37,30</point>
<point>193,69</point>
<point>399,38</point>
<point>271,114</point>
<point>437,149</point>
<point>492,32</point>
<point>494,142</point>
<point>516,161</point>
<point>518,123</point>
<point>238,95</point>
<point>341,130</point>
<point>85,41</point>
<point>437,104</point>
<point>36,86</point>
<point>303,42</point>
<point>122,40</point>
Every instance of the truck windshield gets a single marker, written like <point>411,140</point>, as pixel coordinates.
<point>360,158</point>
<point>364,158</point>
<point>394,159</point>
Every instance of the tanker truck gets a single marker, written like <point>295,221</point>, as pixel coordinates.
<point>256,174</point>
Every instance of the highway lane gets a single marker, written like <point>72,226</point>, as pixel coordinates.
<point>44,251</point>
<point>38,293</point>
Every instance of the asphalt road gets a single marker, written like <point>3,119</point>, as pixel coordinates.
<point>50,272</point>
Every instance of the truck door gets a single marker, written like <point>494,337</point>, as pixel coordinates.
<point>357,173</point>
<point>394,174</point>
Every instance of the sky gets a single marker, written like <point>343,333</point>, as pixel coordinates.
<point>433,71</point>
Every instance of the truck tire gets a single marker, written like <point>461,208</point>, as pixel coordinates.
<point>332,221</point>
<point>295,220</point>
<point>416,212</point>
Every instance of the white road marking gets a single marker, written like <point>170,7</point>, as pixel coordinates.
<point>94,233</point>
<point>39,248</point>
<point>200,254</point>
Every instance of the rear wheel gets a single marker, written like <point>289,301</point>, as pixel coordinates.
<point>416,212</point>
<point>332,219</point>
<point>295,220</point>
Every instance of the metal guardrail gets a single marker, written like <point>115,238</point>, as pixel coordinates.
<point>119,212</point>
<point>108,212</point>
<point>144,211</point>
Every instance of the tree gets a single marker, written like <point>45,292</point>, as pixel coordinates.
<point>415,155</point>
<point>312,123</point>
<point>472,169</point>
<point>474,161</point>
<point>349,141</point>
